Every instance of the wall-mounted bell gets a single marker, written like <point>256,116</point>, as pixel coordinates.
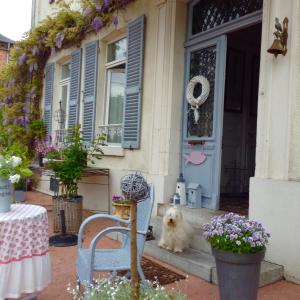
<point>279,45</point>
<point>276,48</point>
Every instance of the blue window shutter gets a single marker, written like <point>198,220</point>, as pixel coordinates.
<point>89,90</point>
<point>48,96</point>
<point>134,82</point>
<point>75,81</point>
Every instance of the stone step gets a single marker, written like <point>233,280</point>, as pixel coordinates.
<point>202,264</point>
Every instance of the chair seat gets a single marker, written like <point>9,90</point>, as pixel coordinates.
<point>105,260</point>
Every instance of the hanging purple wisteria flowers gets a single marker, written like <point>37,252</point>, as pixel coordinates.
<point>234,233</point>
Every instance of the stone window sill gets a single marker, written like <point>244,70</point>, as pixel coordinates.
<point>113,151</point>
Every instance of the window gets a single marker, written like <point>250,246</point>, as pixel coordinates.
<point>115,91</point>
<point>64,92</point>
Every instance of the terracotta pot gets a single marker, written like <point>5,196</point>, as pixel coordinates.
<point>238,274</point>
<point>122,210</point>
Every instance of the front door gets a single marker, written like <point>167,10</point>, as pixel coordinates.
<point>204,137</point>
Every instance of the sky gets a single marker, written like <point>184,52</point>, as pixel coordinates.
<point>15,18</point>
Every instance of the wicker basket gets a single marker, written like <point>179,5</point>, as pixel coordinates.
<point>73,213</point>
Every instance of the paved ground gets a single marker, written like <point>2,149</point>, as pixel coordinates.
<point>63,269</point>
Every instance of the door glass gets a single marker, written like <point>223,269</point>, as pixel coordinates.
<point>202,62</point>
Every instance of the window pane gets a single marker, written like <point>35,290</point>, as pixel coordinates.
<point>202,62</point>
<point>65,71</point>
<point>208,14</point>
<point>117,50</point>
<point>64,101</point>
<point>116,100</point>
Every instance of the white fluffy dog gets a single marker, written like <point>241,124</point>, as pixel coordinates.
<point>176,233</point>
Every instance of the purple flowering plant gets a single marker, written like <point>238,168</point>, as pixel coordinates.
<point>120,199</point>
<point>234,233</point>
<point>44,148</point>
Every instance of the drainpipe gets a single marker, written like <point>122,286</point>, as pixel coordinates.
<point>8,51</point>
<point>33,13</point>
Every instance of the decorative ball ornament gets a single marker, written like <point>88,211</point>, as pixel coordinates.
<point>134,187</point>
<point>197,102</point>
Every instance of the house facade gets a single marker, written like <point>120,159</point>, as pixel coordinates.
<point>241,145</point>
<point>5,46</point>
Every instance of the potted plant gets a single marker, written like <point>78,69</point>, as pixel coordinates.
<point>12,169</point>
<point>43,149</point>
<point>68,170</point>
<point>122,206</point>
<point>238,245</point>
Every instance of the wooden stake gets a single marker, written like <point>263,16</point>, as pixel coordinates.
<point>134,274</point>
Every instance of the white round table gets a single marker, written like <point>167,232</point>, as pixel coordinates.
<point>24,243</point>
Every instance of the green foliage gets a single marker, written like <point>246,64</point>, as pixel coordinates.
<point>75,156</point>
<point>105,289</point>
<point>21,81</point>
<point>20,185</point>
<point>38,128</point>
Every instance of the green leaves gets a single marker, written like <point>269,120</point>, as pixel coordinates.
<point>25,172</point>
<point>75,157</point>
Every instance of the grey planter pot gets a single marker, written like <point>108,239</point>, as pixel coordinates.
<point>238,274</point>
<point>5,195</point>
<point>19,196</point>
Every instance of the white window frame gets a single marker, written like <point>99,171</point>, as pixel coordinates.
<point>65,82</point>
<point>110,68</point>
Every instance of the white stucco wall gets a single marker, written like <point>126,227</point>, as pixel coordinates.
<point>158,156</point>
<point>274,193</point>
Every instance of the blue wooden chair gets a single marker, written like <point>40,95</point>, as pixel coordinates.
<point>92,259</point>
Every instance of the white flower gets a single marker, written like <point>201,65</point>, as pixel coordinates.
<point>238,243</point>
<point>15,161</point>
<point>14,178</point>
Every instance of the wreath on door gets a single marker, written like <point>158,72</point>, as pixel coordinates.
<point>197,102</point>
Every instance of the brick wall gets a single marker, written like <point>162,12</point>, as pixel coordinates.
<point>3,58</point>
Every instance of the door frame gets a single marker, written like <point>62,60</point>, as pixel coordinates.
<point>199,41</point>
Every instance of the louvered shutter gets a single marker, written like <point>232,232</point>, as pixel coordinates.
<point>134,81</point>
<point>48,96</point>
<point>90,82</point>
<point>75,78</point>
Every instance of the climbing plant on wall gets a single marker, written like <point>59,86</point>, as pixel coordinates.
<point>21,81</point>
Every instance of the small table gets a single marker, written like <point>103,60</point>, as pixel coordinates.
<point>24,259</point>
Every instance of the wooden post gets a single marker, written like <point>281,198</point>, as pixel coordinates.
<point>134,274</point>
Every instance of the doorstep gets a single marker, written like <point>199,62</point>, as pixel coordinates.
<point>202,264</point>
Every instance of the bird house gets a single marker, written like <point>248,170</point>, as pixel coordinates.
<point>194,195</point>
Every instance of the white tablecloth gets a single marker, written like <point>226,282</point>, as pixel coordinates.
<point>24,258</point>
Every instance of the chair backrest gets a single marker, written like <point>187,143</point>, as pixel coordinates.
<point>144,211</point>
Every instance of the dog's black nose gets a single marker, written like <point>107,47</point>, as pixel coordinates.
<point>171,220</point>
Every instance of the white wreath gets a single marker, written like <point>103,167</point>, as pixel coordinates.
<point>197,102</point>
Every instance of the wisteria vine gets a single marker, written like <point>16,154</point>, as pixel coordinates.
<point>21,81</point>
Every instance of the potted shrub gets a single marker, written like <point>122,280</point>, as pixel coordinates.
<point>68,170</point>
<point>122,206</point>
<point>238,245</point>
